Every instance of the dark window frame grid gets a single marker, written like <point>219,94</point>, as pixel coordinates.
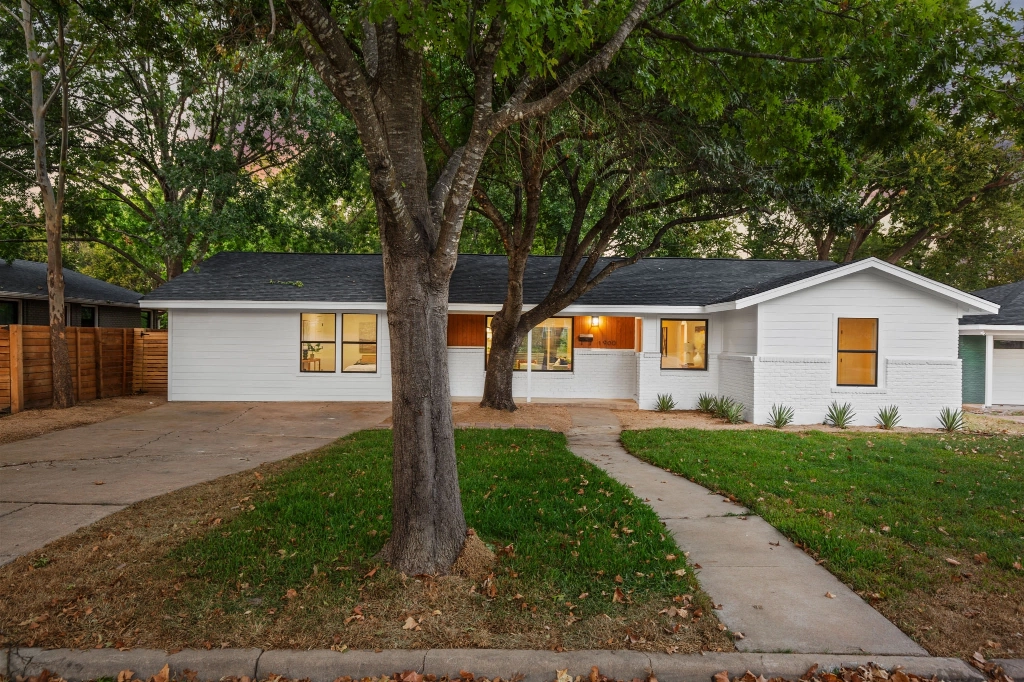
<point>662,343</point>
<point>572,344</point>
<point>839,321</point>
<point>376,336</point>
<point>332,343</point>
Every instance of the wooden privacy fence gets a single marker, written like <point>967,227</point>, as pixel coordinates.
<point>104,363</point>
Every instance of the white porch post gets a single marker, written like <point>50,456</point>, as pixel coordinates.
<point>989,346</point>
<point>529,366</point>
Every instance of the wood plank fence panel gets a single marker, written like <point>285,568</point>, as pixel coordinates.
<point>104,363</point>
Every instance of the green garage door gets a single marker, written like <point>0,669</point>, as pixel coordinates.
<point>972,356</point>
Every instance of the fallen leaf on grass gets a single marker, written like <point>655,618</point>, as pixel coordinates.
<point>670,557</point>
<point>372,571</point>
<point>411,624</point>
<point>618,579</point>
<point>952,562</point>
<point>618,597</point>
<point>291,594</point>
<point>680,571</point>
<point>563,676</point>
<point>981,558</point>
<point>1017,565</point>
<point>125,675</point>
<point>258,475</point>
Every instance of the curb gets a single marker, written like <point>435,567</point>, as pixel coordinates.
<point>536,666</point>
<point>1014,667</point>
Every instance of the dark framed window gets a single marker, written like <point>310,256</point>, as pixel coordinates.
<point>857,352</point>
<point>996,343</point>
<point>90,316</point>
<point>358,342</point>
<point>684,344</point>
<point>9,312</point>
<point>552,349</point>
<point>318,346</point>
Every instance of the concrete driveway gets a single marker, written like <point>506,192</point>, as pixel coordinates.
<point>56,483</point>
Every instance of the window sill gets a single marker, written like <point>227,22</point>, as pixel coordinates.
<point>359,375</point>
<point>856,390</point>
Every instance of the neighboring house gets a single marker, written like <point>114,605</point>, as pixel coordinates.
<point>268,326</point>
<point>88,302</point>
<point>992,349</point>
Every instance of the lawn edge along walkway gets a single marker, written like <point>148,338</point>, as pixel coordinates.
<point>765,588</point>
<point>536,666</point>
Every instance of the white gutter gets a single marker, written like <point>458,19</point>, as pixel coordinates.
<point>479,308</point>
<point>979,329</point>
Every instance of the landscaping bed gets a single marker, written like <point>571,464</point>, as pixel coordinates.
<point>928,528</point>
<point>283,557</point>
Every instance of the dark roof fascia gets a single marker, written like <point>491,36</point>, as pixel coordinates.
<point>81,301</point>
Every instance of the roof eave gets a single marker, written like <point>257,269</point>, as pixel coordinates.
<point>67,299</point>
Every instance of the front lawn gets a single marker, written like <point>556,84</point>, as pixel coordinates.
<point>929,528</point>
<point>286,559</point>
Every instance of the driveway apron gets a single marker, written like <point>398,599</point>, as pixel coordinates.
<point>763,586</point>
<point>56,483</point>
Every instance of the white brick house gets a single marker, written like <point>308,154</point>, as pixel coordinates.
<point>799,333</point>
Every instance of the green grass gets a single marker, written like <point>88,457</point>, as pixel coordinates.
<point>573,528</point>
<point>884,511</point>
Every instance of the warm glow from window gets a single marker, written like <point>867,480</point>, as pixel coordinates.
<point>358,343</point>
<point>317,346</point>
<point>552,346</point>
<point>684,344</point>
<point>857,352</point>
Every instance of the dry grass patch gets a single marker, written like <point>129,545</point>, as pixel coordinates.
<point>32,423</point>
<point>284,557</point>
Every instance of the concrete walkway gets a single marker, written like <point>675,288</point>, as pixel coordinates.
<point>765,587</point>
<point>54,484</point>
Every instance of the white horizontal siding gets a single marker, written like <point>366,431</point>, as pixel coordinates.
<point>918,370</point>
<point>254,355</point>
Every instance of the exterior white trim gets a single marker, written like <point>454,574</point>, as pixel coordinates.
<point>979,329</point>
<point>989,359</point>
<point>975,305</point>
<point>478,308</point>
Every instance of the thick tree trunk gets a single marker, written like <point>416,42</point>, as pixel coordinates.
<point>506,334</point>
<point>505,341</point>
<point>428,527</point>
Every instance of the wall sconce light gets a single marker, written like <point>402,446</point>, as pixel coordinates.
<point>595,321</point>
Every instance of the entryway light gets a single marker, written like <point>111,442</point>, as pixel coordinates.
<point>595,321</point>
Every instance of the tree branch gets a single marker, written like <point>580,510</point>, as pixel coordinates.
<point>694,47</point>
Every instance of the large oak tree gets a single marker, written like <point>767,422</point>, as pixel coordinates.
<point>374,59</point>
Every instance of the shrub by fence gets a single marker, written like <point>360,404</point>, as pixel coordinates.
<point>104,363</point>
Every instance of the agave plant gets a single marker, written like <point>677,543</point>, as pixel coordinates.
<point>951,420</point>
<point>733,411</point>
<point>840,416</point>
<point>720,405</point>
<point>706,402</point>
<point>665,403</point>
<point>888,417</point>
<point>780,416</point>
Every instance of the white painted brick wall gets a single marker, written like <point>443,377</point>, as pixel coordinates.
<point>919,387</point>
<point>606,374</point>
<point>736,380</point>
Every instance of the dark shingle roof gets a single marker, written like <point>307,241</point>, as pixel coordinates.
<point>1010,298</point>
<point>235,276</point>
<point>27,279</point>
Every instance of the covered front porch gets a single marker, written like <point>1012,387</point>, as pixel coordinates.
<point>992,357</point>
